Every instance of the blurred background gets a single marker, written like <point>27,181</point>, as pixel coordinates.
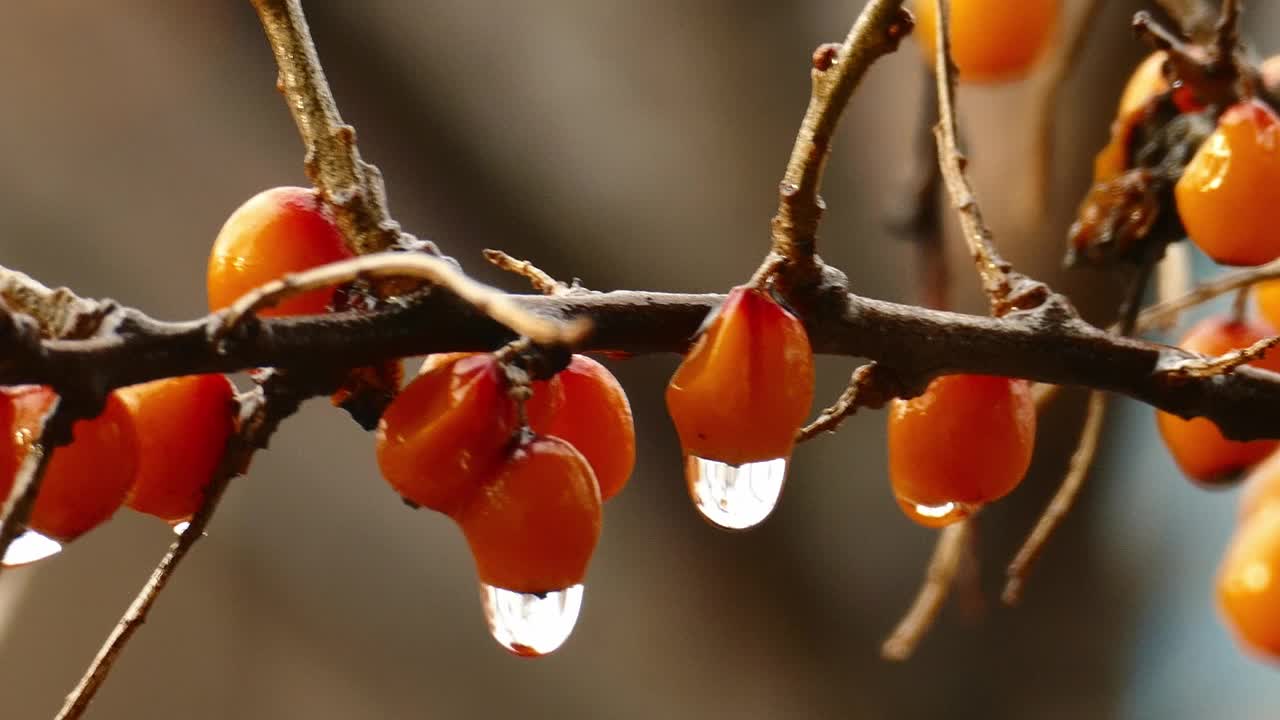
<point>632,145</point>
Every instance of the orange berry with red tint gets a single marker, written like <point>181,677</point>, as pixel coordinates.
<point>737,401</point>
<point>534,524</point>
<point>87,480</point>
<point>278,231</point>
<point>1146,82</point>
<point>991,40</point>
<point>1229,190</point>
<point>966,440</point>
<point>1249,583</point>
<point>540,407</point>
<point>446,432</point>
<point>1261,487</point>
<point>595,419</point>
<point>182,426</point>
<point>1197,445</point>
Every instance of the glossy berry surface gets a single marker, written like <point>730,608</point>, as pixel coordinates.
<point>967,439</point>
<point>446,432</point>
<point>1249,583</point>
<point>1197,445</point>
<point>182,425</point>
<point>87,480</point>
<point>991,40</point>
<point>1227,195</point>
<point>746,386</point>
<point>594,417</point>
<point>277,231</point>
<point>543,404</point>
<point>534,524</point>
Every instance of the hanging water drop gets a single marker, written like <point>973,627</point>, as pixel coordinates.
<point>531,624</point>
<point>735,497</point>
<point>180,526</point>
<point>935,516</point>
<point>29,547</point>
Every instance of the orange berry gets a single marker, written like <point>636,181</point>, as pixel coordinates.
<point>595,418</point>
<point>277,231</point>
<point>991,40</point>
<point>746,385</point>
<point>534,525</point>
<point>445,433</point>
<point>87,480</point>
<point>1197,445</point>
<point>1146,82</point>
<point>182,425</point>
<point>1261,487</point>
<point>1267,296</point>
<point>1226,195</point>
<point>542,405</point>
<point>967,439</point>
<point>1249,583</point>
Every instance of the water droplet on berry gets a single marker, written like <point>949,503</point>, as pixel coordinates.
<point>29,547</point>
<point>531,624</point>
<point>735,497</point>
<point>181,526</point>
<point>936,516</point>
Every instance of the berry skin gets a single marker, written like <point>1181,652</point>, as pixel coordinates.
<point>446,432</point>
<point>991,40</point>
<point>277,231</point>
<point>1227,194</point>
<point>1261,487</point>
<point>540,407</point>
<point>85,481</point>
<point>1197,445</point>
<point>182,426</point>
<point>1267,296</point>
<point>1146,82</point>
<point>533,526</point>
<point>1249,583</point>
<point>967,439</point>
<point>595,418</point>
<point>745,387</point>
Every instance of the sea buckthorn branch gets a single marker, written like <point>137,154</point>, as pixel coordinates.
<point>1167,312</point>
<point>1006,289</point>
<point>919,219</point>
<point>352,187</point>
<point>837,71</point>
<point>939,577</point>
<point>1195,17</point>
<point>1063,500</point>
<point>1225,363</point>
<point>871,386</point>
<point>538,279</point>
<point>494,303</point>
<point>261,412</point>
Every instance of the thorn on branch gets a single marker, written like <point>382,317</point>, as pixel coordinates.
<point>1220,365</point>
<point>870,387</point>
<point>541,281</point>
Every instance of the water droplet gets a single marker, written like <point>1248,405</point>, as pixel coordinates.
<point>735,497</point>
<point>29,547</point>
<point>181,526</point>
<point>531,624</point>
<point>935,516</point>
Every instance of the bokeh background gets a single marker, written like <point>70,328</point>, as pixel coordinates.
<point>632,145</point>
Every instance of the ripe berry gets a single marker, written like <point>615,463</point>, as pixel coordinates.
<point>85,480</point>
<point>534,524</point>
<point>1227,194</point>
<point>991,40</point>
<point>1197,445</point>
<point>595,418</point>
<point>446,432</point>
<point>966,440</point>
<point>1261,487</point>
<point>746,385</point>
<point>1267,296</point>
<point>277,231</point>
<point>182,426</point>
<point>1249,583</point>
<point>541,406</point>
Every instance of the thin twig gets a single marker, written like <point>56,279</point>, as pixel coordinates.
<point>353,187</point>
<point>1221,364</point>
<point>1050,82</point>
<point>262,411</point>
<point>998,279</point>
<point>870,387</point>
<point>919,220</point>
<point>1195,17</point>
<point>489,301</point>
<point>1062,502</point>
<point>941,571</point>
<point>837,71</point>
<point>54,430</point>
<point>1168,311</point>
<point>541,281</point>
